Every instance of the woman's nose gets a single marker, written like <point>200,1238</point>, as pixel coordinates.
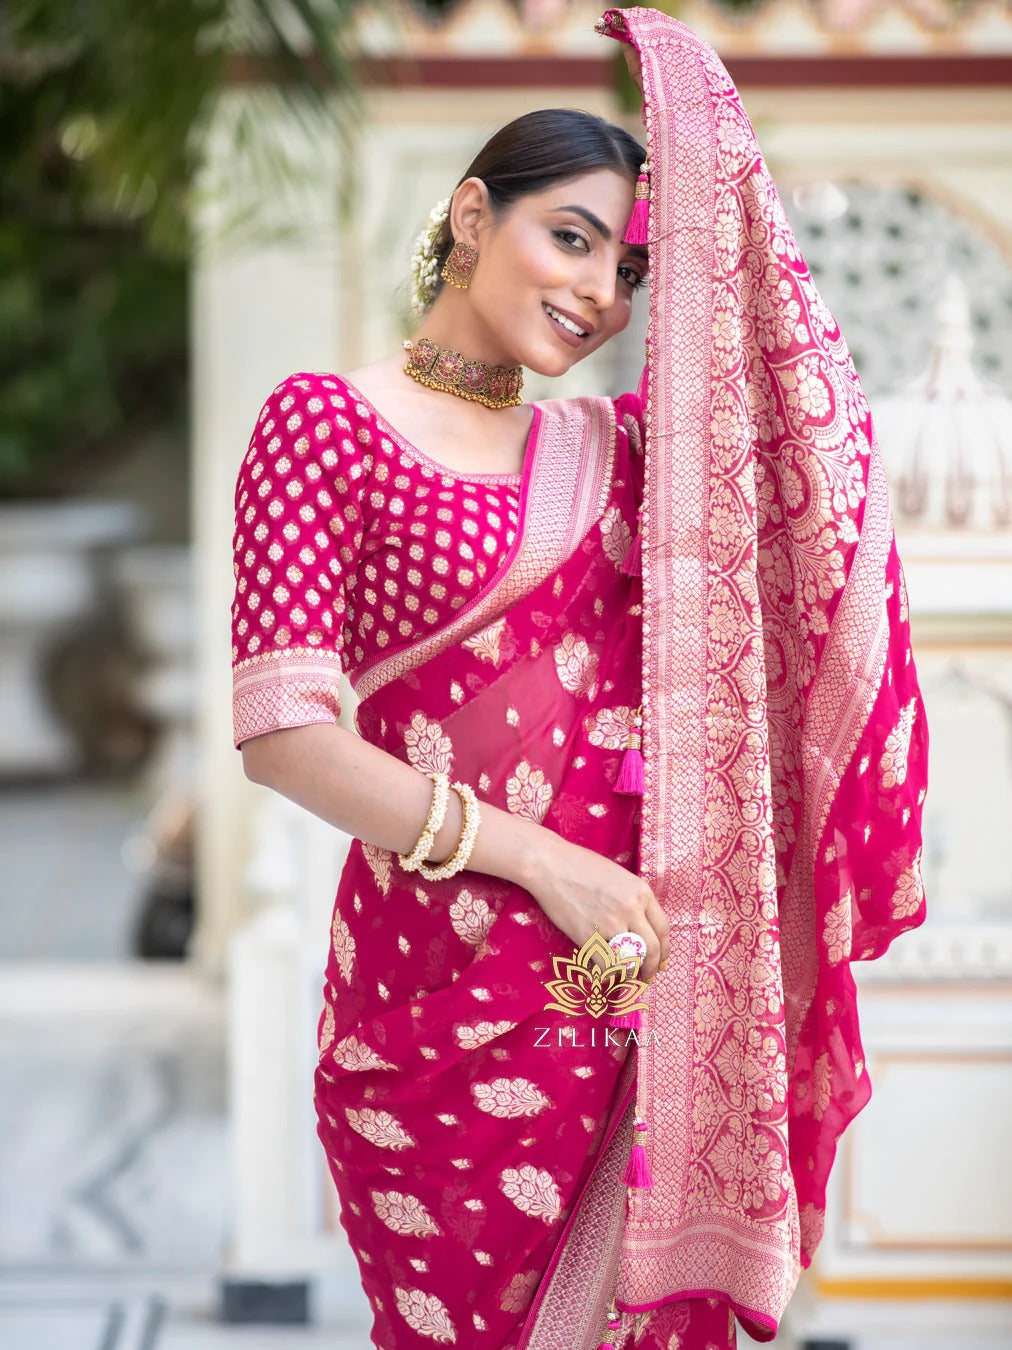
<point>599,285</point>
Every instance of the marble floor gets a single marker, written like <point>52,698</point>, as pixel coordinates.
<point>113,1166</point>
<point>113,1125</point>
<point>166,1318</point>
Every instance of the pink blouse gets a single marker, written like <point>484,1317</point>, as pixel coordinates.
<point>349,543</point>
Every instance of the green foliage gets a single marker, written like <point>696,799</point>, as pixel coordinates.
<point>104,106</point>
<point>128,88</point>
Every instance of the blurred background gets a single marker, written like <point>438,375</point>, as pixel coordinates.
<point>197,199</point>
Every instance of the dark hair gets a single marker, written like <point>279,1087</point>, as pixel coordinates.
<point>538,149</point>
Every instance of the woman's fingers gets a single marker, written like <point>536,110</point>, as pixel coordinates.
<point>660,927</point>
<point>653,927</point>
<point>648,966</point>
<point>632,60</point>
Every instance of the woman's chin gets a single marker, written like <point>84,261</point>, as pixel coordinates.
<point>552,364</point>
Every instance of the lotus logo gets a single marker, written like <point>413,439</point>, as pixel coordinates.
<point>604,990</point>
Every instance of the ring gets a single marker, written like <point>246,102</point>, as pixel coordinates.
<point>629,944</point>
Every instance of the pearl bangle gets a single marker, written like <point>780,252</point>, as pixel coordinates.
<point>412,862</point>
<point>460,856</point>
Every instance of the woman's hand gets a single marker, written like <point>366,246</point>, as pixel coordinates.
<point>632,60</point>
<point>376,797</point>
<point>578,888</point>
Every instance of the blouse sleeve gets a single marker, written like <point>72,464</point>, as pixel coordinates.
<point>298,530</point>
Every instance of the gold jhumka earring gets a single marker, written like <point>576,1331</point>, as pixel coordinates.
<point>459,266</point>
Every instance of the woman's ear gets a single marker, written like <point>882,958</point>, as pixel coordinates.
<point>469,210</point>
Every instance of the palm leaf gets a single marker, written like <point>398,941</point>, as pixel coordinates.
<point>148,76</point>
<point>106,107</point>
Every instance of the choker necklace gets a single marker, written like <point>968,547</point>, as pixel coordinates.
<point>442,368</point>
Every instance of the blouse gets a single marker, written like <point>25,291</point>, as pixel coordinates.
<point>349,544</point>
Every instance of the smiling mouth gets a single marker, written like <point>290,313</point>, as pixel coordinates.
<point>565,322</point>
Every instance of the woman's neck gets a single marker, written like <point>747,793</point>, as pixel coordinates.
<point>452,323</point>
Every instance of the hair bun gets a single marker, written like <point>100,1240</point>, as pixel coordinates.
<point>424,263</point>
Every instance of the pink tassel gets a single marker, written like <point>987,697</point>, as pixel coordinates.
<point>632,565</point>
<point>637,1173</point>
<point>629,1019</point>
<point>614,1324</point>
<point>638,225</point>
<point>630,781</point>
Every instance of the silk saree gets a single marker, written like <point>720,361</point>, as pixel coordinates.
<point>718,549</point>
<point>462,1120</point>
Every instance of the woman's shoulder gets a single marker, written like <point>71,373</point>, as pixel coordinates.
<point>313,415</point>
<point>319,394</point>
<point>310,436</point>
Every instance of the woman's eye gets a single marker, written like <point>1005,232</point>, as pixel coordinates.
<point>633,277</point>
<point>569,236</point>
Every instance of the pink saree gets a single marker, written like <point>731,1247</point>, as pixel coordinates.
<point>461,1120</point>
<point>478,1142</point>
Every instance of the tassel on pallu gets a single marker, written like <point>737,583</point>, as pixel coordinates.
<point>630,775</point>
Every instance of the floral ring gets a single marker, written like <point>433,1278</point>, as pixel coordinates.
<point>629,944</point>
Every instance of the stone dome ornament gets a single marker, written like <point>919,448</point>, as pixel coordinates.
<point>946,435</point>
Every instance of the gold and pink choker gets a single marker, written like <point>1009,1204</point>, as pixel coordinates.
<point>442,368</point>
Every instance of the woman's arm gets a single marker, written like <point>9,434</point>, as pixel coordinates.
<point>379,799</point>
<point>376,797</point>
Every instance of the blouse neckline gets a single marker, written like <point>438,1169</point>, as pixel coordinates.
<point>404,444</point>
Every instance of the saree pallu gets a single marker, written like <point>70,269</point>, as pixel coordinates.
<point>784,739</point>
<point>462,1122</point>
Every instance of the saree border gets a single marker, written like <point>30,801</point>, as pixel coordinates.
<point>853,662</point>
<point>674,571</point>
<point>675,661</point>
<point>567,1314</point>
<point>566,482</point>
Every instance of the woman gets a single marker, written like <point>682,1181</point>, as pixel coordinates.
<point>508,585</point>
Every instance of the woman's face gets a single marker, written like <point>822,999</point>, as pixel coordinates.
<point>552,264</point>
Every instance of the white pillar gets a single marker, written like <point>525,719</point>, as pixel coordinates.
<point>264,304</point>
<point>260,310</point>
<point>275,978</point>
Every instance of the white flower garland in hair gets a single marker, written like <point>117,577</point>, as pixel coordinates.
<point>424,271</point>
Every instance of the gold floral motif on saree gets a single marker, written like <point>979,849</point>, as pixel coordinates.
<point>426,1314</point>
<point>509,1098</point>
<point>533,1190</point>
<point>404,1213</point>
<point>428,748</point>
<point>381,1128</point>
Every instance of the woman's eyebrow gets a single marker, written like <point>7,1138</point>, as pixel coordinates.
<point>595,221</point>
